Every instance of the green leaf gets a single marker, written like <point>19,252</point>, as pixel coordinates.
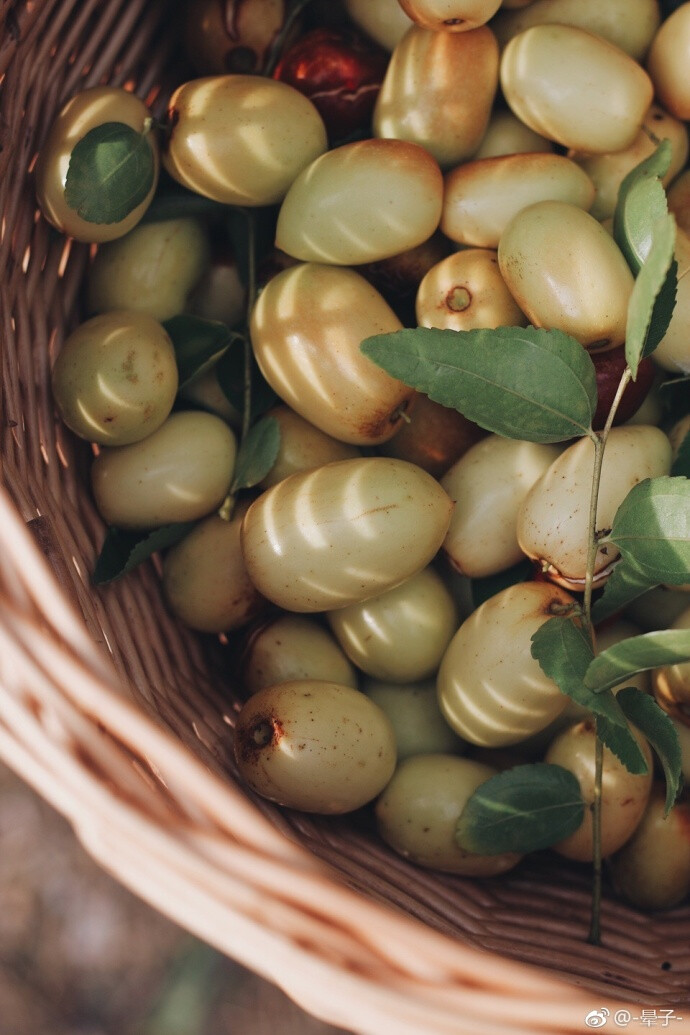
<point>122,550</point>
<point>657,727</point>
<point>257,454</point>
<point>675,396</point>
<point>638,654</point>
<point>652,530</point>
<point>564,650</point>
<point>110,172</point>
<point>519,382</point>
<point>521,810</point>
<point>487,587</point>
<point>641,202</point>
<point>198,344</point>
<point>625,584</point>
<point>618,740</point>
<point>646,292</point>
<point>230,374</point>
<point>681,465</point>
<point>662,311</point>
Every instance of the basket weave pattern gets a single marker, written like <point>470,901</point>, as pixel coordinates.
<point>121,719</point>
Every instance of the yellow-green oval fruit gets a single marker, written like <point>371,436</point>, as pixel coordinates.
<point>314,746</point>
<point>628,24</point>
<point>153,269</point>
<point>450,15</point>
<point>289,647</point>
<point>652,870</point>
<point>673,351</point>
<point>575,88</point>
<point>401,635</point>
<point>506,135</point>
<point>86,111</point>
<point>306,329</point>
<point>490,688</point>
<point>565,271</point>
<point>302,448</point>
<point>671,683</point>
<point>667,62</point>
<point>181,472</point>
<point>220,294</point>
<point>488,484</point>
<point>241,139</point>
<point>415,716</point>
<point>205,580</point>
<point>438,91</point>
<point>678,197</point>
<point>383,20</point>
<point>419,810</point>
<point>607,171</point>
<point>361,202</point>
<point>553,520</point>
<point>482,197</point>
<point>345,532</point>
<point>678,433</point>
<point>624,795</point>
<point>115,378</point>
<point>466,291</point>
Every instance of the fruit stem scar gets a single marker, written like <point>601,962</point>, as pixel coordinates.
<point>458,299</point>
<point>262,733</point>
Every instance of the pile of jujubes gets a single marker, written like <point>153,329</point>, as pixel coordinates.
<point>337,172</point>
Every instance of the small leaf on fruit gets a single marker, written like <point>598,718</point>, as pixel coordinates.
<point>257,454</point>
<point>487,587</point>
<point>521,810</point>
<point>643,305</point>
<point>641,202</point>
<point>652,530</point>
<point>621,741</point>
<point>625,584</point>
<point>657,727</point>
<point>638,654</point>
<point>198,344</point>
<point>681,465</point>
<point>111,170</point>
<point>519,382</point>
<point>122,551</point>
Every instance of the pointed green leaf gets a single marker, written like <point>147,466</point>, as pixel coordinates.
<point>625,584</point>
<point>521,810</point>
<point>564,650</point>
<point>657,727</point>
<point>638,654</point>
<point>681,465</point>
<point>641,202</point>
<point>618,740</point>
<point>122,551</point>
<point>519,382</point>
<point>257,454</point>
<point>487,587</point>
<point>110,172</point>
<point>652,530</point>
<point>662,311</point>
<point>646,292</point>
<point>198,344</point>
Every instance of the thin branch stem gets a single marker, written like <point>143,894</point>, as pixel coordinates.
<point>594,937</point>
<point>599,439</point>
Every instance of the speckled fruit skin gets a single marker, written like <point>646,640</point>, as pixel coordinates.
<point>314,746</point>
<point>84,112</point>
<point>345,532</point>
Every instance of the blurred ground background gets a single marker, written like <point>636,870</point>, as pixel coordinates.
<point>79,955</point>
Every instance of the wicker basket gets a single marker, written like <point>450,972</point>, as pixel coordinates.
<point>123,720</point>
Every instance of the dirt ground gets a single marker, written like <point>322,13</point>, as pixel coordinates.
<point>79,955</point>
